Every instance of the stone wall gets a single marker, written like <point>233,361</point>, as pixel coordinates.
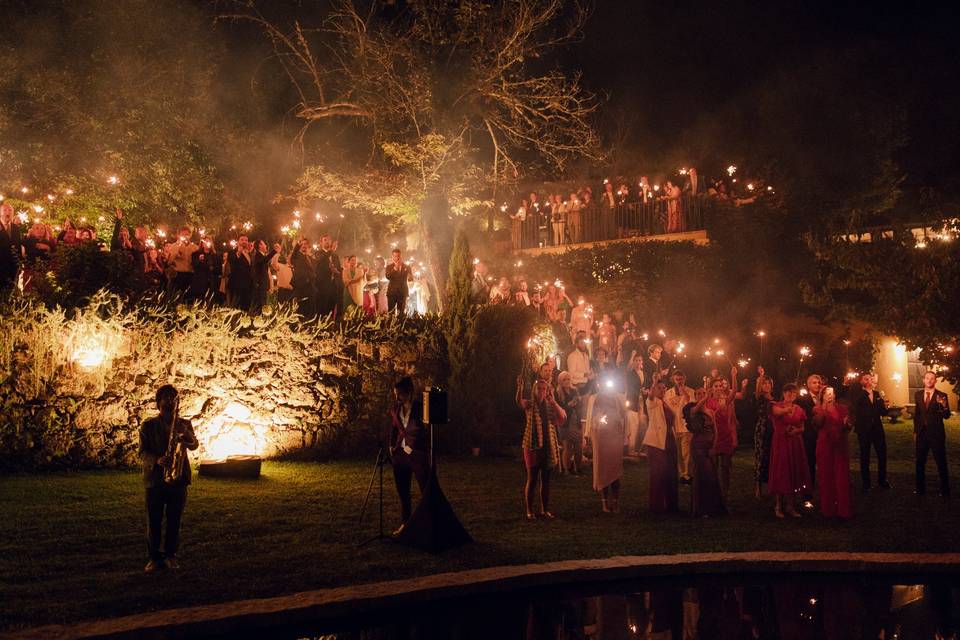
<point>75,390</point>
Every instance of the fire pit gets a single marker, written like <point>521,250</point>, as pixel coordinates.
<point>231,467</point>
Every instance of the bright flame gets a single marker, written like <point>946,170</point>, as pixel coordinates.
<point>804,351</point>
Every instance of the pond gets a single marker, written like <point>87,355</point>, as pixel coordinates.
<point>805,606</point>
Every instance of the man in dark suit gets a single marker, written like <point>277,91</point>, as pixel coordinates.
<point>397,274</point>
<point>241,274</point>
<point>868,410</point>
<point>11,244</point>
<point>932,408</point>
<point>808,402</point>
<point>409,445</point>
<point>327,277</point>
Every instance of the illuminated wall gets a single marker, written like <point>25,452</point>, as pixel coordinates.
<point>74,391</point>
<point>900,373</point>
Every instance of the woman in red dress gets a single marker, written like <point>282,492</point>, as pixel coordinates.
<point>833,456</point>
<point>720,409</point>
<point>789,473</point>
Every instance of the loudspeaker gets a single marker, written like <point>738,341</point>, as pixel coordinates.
<point>435,406</point>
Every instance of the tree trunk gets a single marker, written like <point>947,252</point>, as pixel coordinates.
<point>436,228</point>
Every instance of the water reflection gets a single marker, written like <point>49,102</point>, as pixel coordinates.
<point>781,610</point>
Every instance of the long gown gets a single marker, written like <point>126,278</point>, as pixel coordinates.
<point>726,426</point>
<point>789,473</point>
<point>607,433</point>
<point>664,481</point>
<point>762,439</point>
<point>833,463</point>
<point>706,496</point>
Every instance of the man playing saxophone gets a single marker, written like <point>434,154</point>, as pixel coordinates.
<point>164,441</point>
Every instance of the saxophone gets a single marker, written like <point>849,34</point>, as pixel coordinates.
<point>176,451</point>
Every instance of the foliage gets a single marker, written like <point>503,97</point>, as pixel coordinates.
<point>75,273</point>
<point>459,314</point>
<point>903,289</point>
<point>660,282</point>
<point>498,337</point>
<point>95,89</point>
<point>439,102</point>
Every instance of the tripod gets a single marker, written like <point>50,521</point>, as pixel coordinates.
<point>382,459</point>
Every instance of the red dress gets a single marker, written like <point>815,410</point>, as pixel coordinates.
<point>833,463</point>
<point>789,473</point>
<point>726,439</point>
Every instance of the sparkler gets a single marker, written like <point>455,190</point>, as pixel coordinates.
<point>113,180</point>
<point>804,352</point>
<point>24,190</point>
<point>761,333</point>
<point>732,169</point>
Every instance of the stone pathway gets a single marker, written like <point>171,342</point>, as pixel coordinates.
<point>247,616</point>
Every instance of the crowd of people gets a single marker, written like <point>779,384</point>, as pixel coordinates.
<point>615,395</point>
<point>244,273</point>
<point>550,217</point>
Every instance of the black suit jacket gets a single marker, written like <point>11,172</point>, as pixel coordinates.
<point>241,272</point>
<point>10,243</point>
<point>928,419</point>
<point>867,415</point>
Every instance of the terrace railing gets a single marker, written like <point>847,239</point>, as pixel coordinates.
<point>596,222</point>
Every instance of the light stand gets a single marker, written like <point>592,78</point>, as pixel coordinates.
<point>377,472</point>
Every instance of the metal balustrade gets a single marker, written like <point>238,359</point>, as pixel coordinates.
<point>596,222</point>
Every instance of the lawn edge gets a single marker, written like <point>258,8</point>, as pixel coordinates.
<point>246,616</point>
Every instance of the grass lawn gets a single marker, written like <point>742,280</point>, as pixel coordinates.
<point>72,545</point>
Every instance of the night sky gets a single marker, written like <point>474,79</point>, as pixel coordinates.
<point>677,66</point>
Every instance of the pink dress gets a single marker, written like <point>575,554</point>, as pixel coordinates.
<point>725,441</point>
<point>833,463</point>
<point>789,472</point>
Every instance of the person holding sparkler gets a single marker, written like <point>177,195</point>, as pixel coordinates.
<point>720,408</point>
<point>789,474</point>
<point>868,409</point>
<point>540,443</point>
<point>606,428</point>
<point>661,443</point>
